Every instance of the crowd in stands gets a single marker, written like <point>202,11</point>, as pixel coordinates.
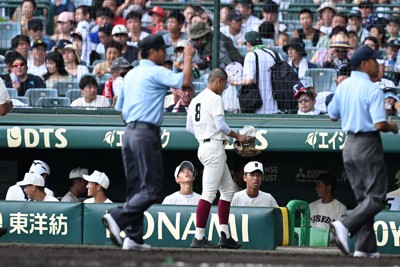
<point>88,39</point>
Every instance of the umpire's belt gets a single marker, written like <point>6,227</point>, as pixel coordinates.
<point>143,125</point>
<point>209,140</point>
<point>363,133</point>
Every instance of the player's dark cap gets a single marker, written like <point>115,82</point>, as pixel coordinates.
<point>361,54</point>
<point>152,41</point>
<point>39,42</point>
<point>120,63</point>
<point>186,164</point>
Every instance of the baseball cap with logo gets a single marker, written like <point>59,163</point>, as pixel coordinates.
<point>98,177</point>
<point>78,173</point>
<point>152,42</point>
<point>252,37</point>
<point>120,63</point>
<point>301,85</point>
<point>157,10</point>
<point>32,178</point>
<point>355,13</point>
<point>185,163</point>
<point>253,166</point>
<point>119,29</point>
<point>361,54</point>
<point>302,92</point>
<point>39,42</point>
<point>39,167</point>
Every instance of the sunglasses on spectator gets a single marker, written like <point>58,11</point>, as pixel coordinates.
<point>20,65</point>
<point>306,100</point>
<point>340,51</point>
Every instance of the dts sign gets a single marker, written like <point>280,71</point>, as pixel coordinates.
<point>30,138</point>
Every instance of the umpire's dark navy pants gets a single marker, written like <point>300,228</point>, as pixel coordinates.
<point>144,172</point>
<point>365,167</point>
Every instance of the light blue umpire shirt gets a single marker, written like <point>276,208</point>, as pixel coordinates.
<point>143,93</point>
<point>359,103</point>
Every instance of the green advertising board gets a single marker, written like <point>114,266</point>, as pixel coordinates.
<point>41,222</point>
<point>174,226</point>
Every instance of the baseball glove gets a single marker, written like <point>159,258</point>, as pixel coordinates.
<point>246,150</point>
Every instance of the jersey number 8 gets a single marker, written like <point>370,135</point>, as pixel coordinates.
<point>197,115</point>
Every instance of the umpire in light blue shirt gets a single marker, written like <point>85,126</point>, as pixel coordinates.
<point>360,105</point>
<point>141,106</point>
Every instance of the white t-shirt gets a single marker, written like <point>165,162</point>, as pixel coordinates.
<point>69,197</point>
<point>16,193</point>
<point>265,62</point>
<point>178,199</point>
<point>262,200</point>
<point>91,200</point>
<point>99,102</point>
<point>4,96</point>
<point>202,110</point>
<point>322,214</point>
<point>36,70</point>
<point>237,39</point>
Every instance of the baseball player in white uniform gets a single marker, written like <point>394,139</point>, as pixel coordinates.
<point>206,121</point>
<point>184,176</point>
<point>327,209</point>
<point>252,196</point>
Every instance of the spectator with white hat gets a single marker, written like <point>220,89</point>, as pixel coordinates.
<point>77,185</point>
<point>120,35</point>
<point>33,184</point>
<point>252,196</point>
<point>16,192</point>
<point>184,176</point>
<point>98,182</point>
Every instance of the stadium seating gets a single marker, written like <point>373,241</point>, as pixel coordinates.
<point>23,99</point>
<point>54,102</point>
<point>12,92</point>
<point>35,93</point>
<point>73,94</point>
<point>8,30</point>
<point>63,86</point>
<point>323,79</point>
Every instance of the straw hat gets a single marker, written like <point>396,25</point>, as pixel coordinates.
<point>340,40</point>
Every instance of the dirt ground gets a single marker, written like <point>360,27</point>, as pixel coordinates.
<point>16,255</point>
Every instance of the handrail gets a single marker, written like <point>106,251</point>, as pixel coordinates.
<point>295,206</point>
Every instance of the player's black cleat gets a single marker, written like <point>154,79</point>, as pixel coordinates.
<point>228,242</point>
<point>3,231</point>
<point>203,243</point>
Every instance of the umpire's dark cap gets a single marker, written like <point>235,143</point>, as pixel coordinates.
<point>361,54</point>
<point>152,41</point>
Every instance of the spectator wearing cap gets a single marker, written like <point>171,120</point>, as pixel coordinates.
<point>186,95</point>
<point>16,192</point>
<point>201,35</point>
<point>120,35</point>
<point>175,22</point>
<point>36,61</point>
<point>355,24</point>
<point>270,15</point>
<point>298,57</point>
<point>20,79</point>
<point>112,4</point>
<point>184,176</point>
<point>24,14</point>
<point>234,29</point>
<point>21,44</point>
<point>113,51</point>
<point>252,196</point>
<point>307,31</point>
<point>65,25</point>
<point>157,17</point>
<point>306,100</point>
<point>250,22</point>
<point>55,69</point>
<point>33,184</point>
<point>265,62</point>
<point>177,65</point>
<point>391,60</point>
<point>105,36</point>
<point>77,185</point>
<point>325,13</point>
<point>136,32</point>
<point>98,183</point>
<point>392,29</point>
<point>36,32</point>
<point>72,62</point>
<point>392,104</point>
<point>90,99</point>
<point>327,208</point>
<point>114,84</point>
<point>368,15</point>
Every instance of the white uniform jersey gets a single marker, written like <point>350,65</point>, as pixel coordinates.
<point>49,198</point>
<point>91,200</point>
<point>69,197</point>
<point>202,111</point>
<point>322,214</point>
<point>179,199</point>
<point>393,199</point>
<point>16,193</point>
<point>262,200</point>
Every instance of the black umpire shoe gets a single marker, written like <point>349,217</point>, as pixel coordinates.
<point>3,231</point>
<point>228,242</point>
<point>203,243</point>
